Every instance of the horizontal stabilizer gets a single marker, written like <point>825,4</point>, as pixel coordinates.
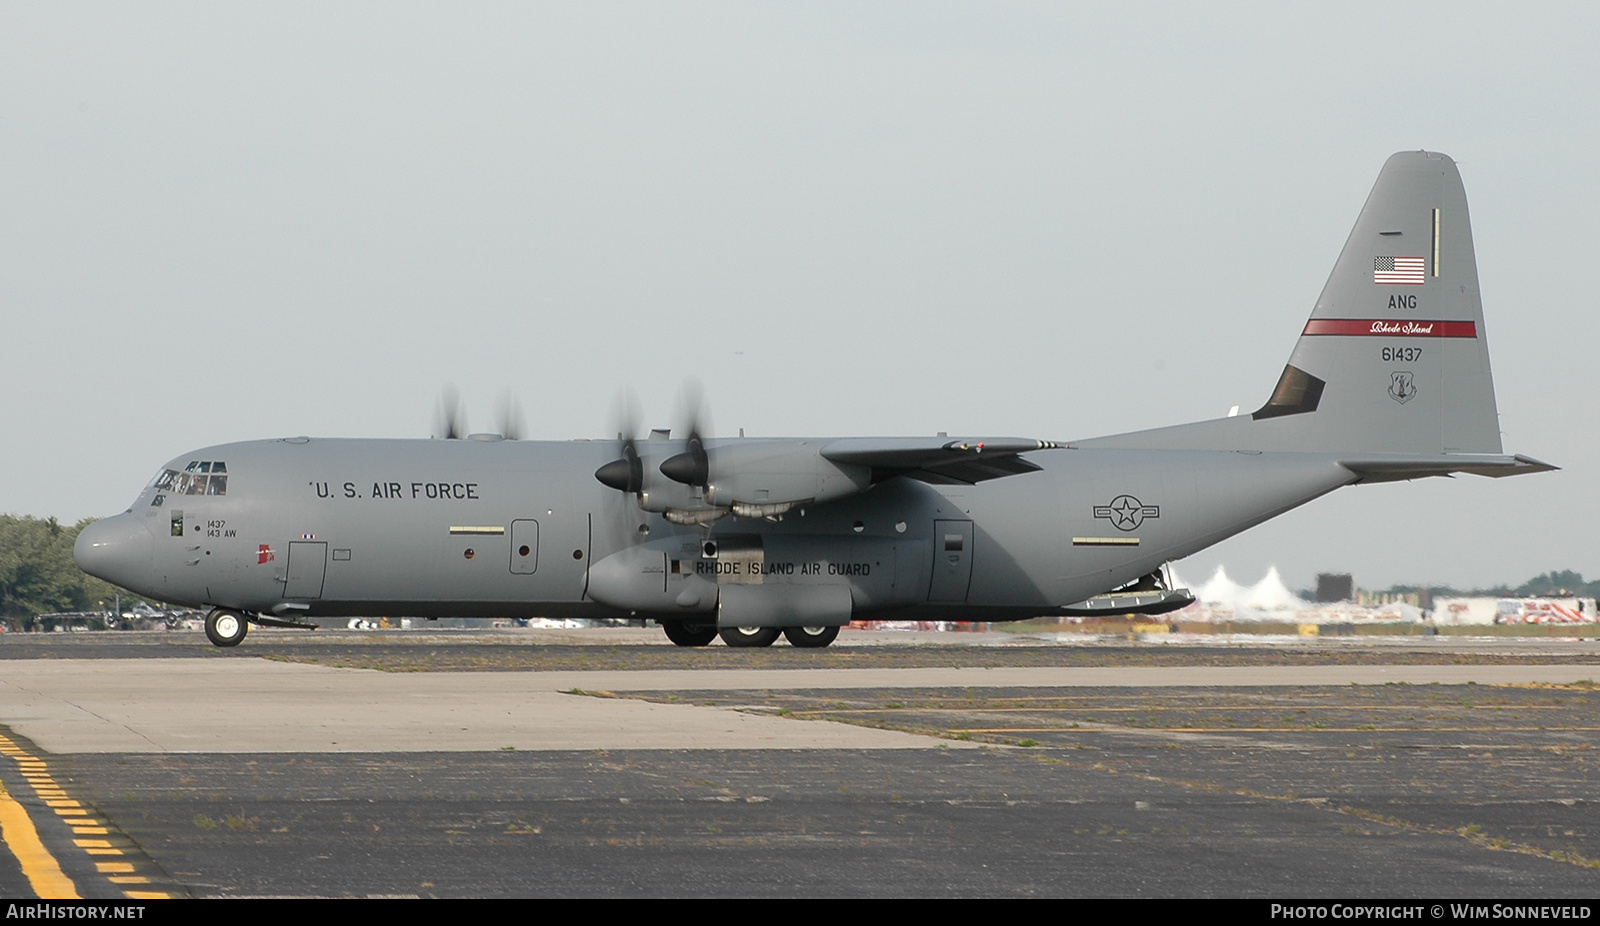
<point>1386,467</point>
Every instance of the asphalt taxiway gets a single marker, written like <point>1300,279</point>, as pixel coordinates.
<point>896,767</point>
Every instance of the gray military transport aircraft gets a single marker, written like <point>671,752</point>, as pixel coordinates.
<point>748,538</point>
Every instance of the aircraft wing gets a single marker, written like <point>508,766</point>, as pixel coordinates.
<point>963,461</point>
<point>1395,467</point>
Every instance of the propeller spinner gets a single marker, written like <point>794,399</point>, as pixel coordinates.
<point>692,467</point>
<point>626,474</point>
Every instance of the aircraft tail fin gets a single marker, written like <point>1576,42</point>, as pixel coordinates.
<point>1394,359</point>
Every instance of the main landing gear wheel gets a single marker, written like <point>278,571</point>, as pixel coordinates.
<point>225,627</point>
<point>685,633</point>
<point>810,637</point>
<point>749,636</point>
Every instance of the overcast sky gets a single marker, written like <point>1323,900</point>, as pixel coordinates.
<point>222,222</point>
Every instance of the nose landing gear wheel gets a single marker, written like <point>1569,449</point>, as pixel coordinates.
<point>225,627</point>
<point>749,636</point>
<point>685,633</point>
<point>810,637</point>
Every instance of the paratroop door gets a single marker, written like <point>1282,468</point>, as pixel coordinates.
<point>952,561</point>
<point>525,547</point>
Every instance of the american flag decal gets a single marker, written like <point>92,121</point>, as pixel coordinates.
<point>1406,271</point>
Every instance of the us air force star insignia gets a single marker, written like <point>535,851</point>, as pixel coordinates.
<point>1126,513</point>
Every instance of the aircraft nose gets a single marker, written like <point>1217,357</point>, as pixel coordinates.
<point>116,549</point>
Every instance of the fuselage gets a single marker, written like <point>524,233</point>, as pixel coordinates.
<point>326,527</point>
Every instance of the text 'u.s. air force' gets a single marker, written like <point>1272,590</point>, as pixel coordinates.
<point>424,491</point>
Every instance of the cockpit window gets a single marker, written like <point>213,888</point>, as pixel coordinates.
<point>200,477</point>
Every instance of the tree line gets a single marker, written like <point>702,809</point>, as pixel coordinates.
<point>1557,583</point>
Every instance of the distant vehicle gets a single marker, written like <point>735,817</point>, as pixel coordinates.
<point>752,537</point>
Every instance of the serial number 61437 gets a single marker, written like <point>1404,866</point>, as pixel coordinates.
<point>1405,354</point>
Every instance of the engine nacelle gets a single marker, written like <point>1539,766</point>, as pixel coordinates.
<point>749,478</point>
<point>660,494</point>
<point>758,478</point>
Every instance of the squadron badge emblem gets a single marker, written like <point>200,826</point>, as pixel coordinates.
<point>1402,386</point>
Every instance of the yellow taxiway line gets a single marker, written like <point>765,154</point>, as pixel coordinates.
<point>42,870</point>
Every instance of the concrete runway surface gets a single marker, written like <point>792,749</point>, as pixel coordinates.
<point>148,766</point>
